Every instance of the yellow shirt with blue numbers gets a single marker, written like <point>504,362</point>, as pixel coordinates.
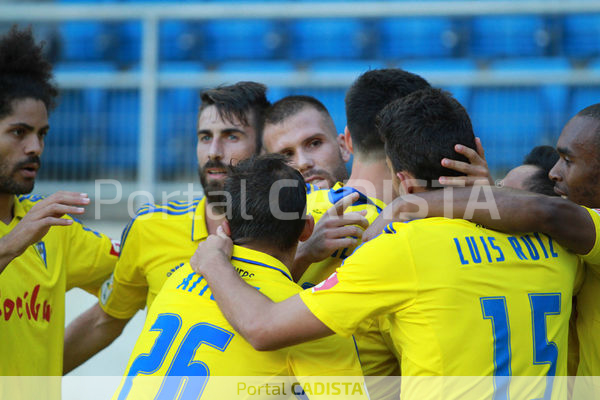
<point>33,286</point>
<point>462,300</point>
<point>187,335</point>
<point>588,311</point>
<point>157,241</point>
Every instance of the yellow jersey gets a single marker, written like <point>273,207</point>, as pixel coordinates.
<point>588,310</point>
<point>376,357</point>
<point>33,286</point>
<point>155,243</point>
<point>462,300</point>
<point>317,203</point>
<point>186,335</point>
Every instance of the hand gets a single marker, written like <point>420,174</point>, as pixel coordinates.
<point>214,250</point>
<point>43,215</point>
<point>335,230</point>
<point>476,170</point>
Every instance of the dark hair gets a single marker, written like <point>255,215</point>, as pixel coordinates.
<point>24,72</point>
<point>543,157</point>
<point>250,182</point>
<point>592,111</point>
<point>368,95</point>
<point>292,105</point>
<point>422,128</point>
<point>239,101</point>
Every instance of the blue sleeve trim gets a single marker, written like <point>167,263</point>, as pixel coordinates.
<point>337,195</point>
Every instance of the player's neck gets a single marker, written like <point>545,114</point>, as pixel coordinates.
<point>213,219</point>
<point>7,201</point>
<point>373,179</point>
<point>286,257</point>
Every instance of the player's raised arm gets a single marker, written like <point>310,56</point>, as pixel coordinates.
<point>507,210</point>
<point>264,324</point>
<point>36,223</point>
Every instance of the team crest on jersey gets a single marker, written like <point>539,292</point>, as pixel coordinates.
<point>40,248</point>
<point>327,283</point>
<point>115,249</point>
<point>106,290</point>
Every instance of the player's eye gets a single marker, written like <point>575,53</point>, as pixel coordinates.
<point>233,137</point>
<point>287,153</point>
<point>315,143</point>
<point>43,134</point>
<point>18,132</point>
<point>204,138</point>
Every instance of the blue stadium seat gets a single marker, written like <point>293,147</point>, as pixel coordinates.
<point>416,37</point>
<point>85,40</point>
<point>510,122</point>
<point>179,40</point>
<point>129,48</point>
<point>332,39</point>
<point>508,36</point>
<point>120,151</point>
<point>176,134</point>
<point>241,40</point>
<point>430,68</point>
<point>581,35</point>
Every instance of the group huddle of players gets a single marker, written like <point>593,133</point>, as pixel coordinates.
<point>248,280</point>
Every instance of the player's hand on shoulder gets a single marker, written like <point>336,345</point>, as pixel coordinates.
<point>42,216</point>
<point>476,170</point>
<point>335,230</point>
<point>215,250</point>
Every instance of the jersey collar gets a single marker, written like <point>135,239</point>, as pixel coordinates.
<point>260,259</point>
<point>18,208</point>
<point>199,230</point>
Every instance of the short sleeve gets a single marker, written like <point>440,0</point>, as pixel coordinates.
<point>378,278</point>
<point>592,258</point>
<point>125,292</point>
<point>90,257</point>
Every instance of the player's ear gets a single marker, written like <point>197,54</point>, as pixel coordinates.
<point>309,226</point>
<point>406,184</point>
<point>226,228</point>
<point>348,140</point>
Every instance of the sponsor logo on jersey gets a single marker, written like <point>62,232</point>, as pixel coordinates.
<point>327,283</point>
<point>40,248</point>
<point>597,210</point>
<point>115,249</point>
<point>26,306</point>
<point>106,290</point>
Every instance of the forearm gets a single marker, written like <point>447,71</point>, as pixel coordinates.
<point>8,251</point>
<point>508,210</point>
<point>89,333</point>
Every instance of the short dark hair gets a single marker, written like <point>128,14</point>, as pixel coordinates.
<point>259,175</point>
<point>368,95</point>
<point>24,72</point>
<point>239,101</point>
<point>422,128</point>
<point>292,105</point>
<point>543,157</point>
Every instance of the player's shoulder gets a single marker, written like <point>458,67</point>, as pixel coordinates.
<point>27,201</point>
<point>151,213</point>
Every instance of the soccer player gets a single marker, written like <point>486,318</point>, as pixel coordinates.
<point>161,238</point>
<point>532,175</point>
<point>439,282</point>
<point>301,128</point>
<point>196,342</point>
<point>576,176</point>
<point>43,252</point>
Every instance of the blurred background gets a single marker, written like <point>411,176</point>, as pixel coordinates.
<point>130,73</point>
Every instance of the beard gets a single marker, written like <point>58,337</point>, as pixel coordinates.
<point>213,189</point>
<point>10,185</point>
